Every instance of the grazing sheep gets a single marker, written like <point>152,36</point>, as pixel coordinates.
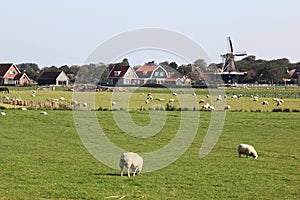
<point>146,101</point>
<point>43,113</point>
<point>84,104</point>
<point>240,95</point>
<point>194,94</point>
<point>161,99</point>
<point>208,107</point>
<point>171,100</point>
<point>150,97</point>
<point>227,107</point>
<point>219,98</point>
<point>2,113</point>
<point>207,95</point>
<point>23,108</point>
<point>174,94</point>
<point>113,103</point>
<point>62,98</point>
<point>131,161</point>
<point>33,95</point>
<point>265,103</point>
<point>248,150</point>
<point>234,96</point>
<point>225,96</point>
<point>201,101</point>
<point>255,98</point>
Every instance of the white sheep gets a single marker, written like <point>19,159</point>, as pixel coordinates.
<point>150,97</point>
<point>194,94</point>
<point>43,113</point>
<point>240,95</point>
<point>174,94</point>
<point>2,113</point>
<point>247,150</point>
<point>227,107</point>
<point>219,98</point>
<point>234,96</point>
<point>131,161</point>
<point>255,98</point>
<point>171,100</point>
<point>146,101</point>
<point>84,104</point>
<point>62,98</point>
<point>265,103</point>
<point>113,103</point>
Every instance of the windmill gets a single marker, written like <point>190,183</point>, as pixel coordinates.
<point>228,58</point>
<point>228,71</point>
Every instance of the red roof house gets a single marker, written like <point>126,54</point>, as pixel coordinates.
<point>11,75</point>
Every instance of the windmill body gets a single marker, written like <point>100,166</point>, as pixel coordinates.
<point>228,71</point>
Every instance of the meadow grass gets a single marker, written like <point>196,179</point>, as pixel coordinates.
<point>134,98</point>
<point>42,157</point>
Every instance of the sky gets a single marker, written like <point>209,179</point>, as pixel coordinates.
<point>66,32</point>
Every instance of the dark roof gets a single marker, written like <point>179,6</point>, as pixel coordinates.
<point>4,67</point>
<point>49,75</point>
<point>122,69</point>
<point>19,76</point>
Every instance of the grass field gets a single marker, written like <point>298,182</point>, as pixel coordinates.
<point>42,157</point>
<point>137,96</point>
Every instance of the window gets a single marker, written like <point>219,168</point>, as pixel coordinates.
<point>117,73</point>
<point>162,73</point>
<point>12,72</point>
<point>156,73</point>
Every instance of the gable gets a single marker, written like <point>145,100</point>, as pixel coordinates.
<point>160,72</point>
<point>8,69</point>
<point>62,76</point>
<point>130,74</point>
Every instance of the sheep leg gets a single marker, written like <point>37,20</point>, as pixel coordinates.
<point>128,170</point>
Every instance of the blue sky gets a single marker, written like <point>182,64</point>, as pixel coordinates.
<point>59,32</point>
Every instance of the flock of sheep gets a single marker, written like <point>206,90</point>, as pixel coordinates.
<point>134,162</point>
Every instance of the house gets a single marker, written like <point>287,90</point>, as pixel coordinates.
<point>122,75</point>
<point>11,75</point>
<point>151,74</point>
<point>53,78</point>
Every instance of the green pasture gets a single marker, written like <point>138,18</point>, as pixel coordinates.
<point>134,98</point>
<point>42,157</point>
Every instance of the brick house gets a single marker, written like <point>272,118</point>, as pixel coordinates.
<point>11,75</point>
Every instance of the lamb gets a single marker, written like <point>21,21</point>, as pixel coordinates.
<point>248,150</point>
<point>131,161</point>
<point>171,100</point>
